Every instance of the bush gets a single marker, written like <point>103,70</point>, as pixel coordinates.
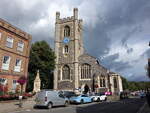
<point>3,88</point>
<point>13,96</point>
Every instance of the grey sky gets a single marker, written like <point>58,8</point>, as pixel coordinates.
<point>115,31</point>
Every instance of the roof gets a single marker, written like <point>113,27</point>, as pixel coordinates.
<point>96,59</point>
<point>4,24</point>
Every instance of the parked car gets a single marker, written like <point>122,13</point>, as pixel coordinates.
<point>99,97</point>
<point>108,93</point>
<point>80,99</point>
<point>142,94</point>
<point>68,94</point>
<point>50,98</point>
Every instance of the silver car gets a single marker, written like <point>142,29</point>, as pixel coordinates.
<point>50,98</point>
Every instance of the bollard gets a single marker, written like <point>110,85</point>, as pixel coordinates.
<point>20,101</point>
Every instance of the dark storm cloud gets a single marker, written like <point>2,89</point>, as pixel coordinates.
<point>129,12</point>
<point>111,62</point>
<point>27,18</point>
<point>129,50</point>
<point>14,13</point>
<point>96,41</point>
<point>129,34</point>
<point>111,58</point>
<point>146,53</point>
<point>126,13</point>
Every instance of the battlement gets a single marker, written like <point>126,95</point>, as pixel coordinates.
<point>14,29</point>
<point>68,19</point>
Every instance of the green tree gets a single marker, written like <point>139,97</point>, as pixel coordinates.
<point>42,58</point>
<point>125,83</point>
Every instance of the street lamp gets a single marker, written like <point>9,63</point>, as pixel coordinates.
<point>149,65</point>
<point>93,82</point>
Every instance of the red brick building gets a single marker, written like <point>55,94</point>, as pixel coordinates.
<point>14,54</point>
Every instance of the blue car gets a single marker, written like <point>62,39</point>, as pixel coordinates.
<point>80,99</point>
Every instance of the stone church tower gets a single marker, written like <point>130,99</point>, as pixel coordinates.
<point>76,70</point>
<point>68,47</point>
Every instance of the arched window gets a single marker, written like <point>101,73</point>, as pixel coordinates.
<point>59,74</point>
<point>66,49</point>
<point>85,71</point>
<point>66,72</point>
<point>66,31</point>
<point>115,83</point>
<point>104,82</point>
<point>101,84</point>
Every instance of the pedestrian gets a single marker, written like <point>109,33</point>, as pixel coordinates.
<point>148,97</point>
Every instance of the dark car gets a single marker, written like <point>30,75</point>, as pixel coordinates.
<point>68,94</point>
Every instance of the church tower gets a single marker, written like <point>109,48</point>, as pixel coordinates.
<point>68,47</point>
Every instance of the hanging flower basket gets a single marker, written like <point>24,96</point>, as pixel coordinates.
<point>22,80</point>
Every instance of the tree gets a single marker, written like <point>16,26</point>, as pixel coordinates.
<point>42,58</point>
<point>125,83</point>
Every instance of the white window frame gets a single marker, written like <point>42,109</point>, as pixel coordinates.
<point>3,81</point>
<point>9,42</point>
<point>5,64</point>
<point>66,49</point>
<point>14,84</point>
<point>17,67</point>
<point>20,46</point>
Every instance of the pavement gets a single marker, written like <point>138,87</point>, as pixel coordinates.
<point>13,106</point>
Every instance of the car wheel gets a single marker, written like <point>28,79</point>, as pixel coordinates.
<point>50,105</point>
<point>98,100</point>
<point>35,107</point>
<point>92,100</point>
<point>82,101</point>
<point>105,99</point>
<point>66,103</point>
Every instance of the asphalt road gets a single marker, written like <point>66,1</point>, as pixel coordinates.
<point>126,106</point>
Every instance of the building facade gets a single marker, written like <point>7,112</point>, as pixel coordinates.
<point>115,82</point>
<point>76,69</point>
<point>14,54</point>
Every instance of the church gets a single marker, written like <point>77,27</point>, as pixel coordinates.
<point>75,69</point>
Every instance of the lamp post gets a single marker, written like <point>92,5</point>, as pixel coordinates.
<point>22,80</point>
<point>148,92</point>
<point>93,82</point>
<point>149,65</point>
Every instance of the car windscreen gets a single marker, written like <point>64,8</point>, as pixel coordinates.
<point>69,94</point>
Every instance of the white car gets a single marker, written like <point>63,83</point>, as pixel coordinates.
<point>99,97</point>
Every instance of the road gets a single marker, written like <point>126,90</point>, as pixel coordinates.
<point>126,106</point>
